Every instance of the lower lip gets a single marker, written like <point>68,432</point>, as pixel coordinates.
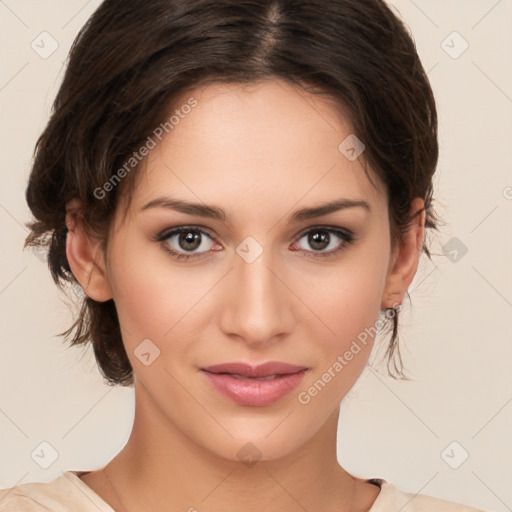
<point>253,392</point>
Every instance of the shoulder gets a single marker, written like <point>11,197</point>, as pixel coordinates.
<point>64,493</point>
<point>392,499</point>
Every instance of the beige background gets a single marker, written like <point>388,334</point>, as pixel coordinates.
<point>458,334</point>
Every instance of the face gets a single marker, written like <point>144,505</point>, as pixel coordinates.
<point>261,284</point>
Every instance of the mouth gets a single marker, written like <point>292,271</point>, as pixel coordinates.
<point>254,386</point>
<point>269,369</point>
<point>243,377</point>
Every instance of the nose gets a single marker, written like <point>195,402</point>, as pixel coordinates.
<point>257,306</point>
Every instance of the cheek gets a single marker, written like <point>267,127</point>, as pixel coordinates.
<point>159,301</point>
<point>347,299</point>
<point>145,294</point>
<point>349,307</point>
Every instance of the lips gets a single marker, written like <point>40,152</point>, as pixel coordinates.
<point>262,370</point>
<point>254,385</point>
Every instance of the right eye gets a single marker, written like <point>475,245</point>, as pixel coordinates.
<point>186,239</point>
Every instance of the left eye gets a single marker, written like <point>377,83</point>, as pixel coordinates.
<point>322,238</point>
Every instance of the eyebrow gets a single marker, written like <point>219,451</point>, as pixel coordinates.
<point>214,212</point>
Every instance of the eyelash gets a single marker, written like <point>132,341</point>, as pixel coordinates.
<point>347,236</point>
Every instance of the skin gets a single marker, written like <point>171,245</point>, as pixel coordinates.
<point>259,153</point>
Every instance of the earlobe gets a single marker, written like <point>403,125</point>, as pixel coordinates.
<point>85,256</point>
<point>406,258</point>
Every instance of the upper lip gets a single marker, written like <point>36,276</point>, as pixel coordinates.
<point>261,370</point>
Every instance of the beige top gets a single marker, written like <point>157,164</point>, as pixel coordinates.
<point>69,493</point>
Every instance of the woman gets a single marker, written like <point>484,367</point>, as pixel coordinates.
<point>242,191</point>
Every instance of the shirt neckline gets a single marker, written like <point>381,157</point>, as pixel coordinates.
<point>88,491</point>
<point>75,476</point>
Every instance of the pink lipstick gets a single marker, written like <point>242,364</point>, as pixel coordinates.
<point>254,385</point>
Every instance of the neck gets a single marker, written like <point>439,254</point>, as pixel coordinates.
<point>160,457</point>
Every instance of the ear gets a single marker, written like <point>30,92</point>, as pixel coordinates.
<point>405,258</point>
<point>85,256</point>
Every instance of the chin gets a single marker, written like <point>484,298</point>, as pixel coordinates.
<point>263,442</point>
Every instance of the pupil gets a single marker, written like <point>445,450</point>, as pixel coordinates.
<point>188,239</point>
<point>319,238</point>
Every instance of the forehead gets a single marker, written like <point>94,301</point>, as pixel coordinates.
<point>269,144</point>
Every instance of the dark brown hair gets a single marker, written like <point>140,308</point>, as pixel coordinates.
<point>133,59</point>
